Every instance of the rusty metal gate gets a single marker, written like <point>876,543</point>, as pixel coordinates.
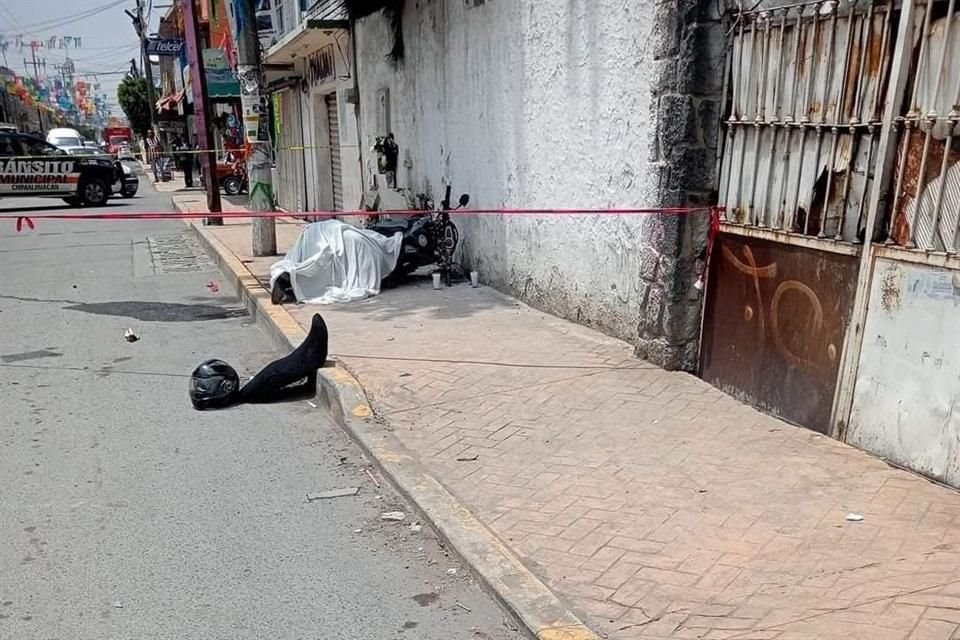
<point>777,315</point>
<point>806,85</point>
<point>926,200</point>
<point>838,148</point>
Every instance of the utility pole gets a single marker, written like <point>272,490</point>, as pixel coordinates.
<point>198,85</point>
<point>36,76</point>
<point>256,128</point>
<point>141,30</point>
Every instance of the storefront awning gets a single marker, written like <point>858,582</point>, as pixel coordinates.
<point>310,35</point>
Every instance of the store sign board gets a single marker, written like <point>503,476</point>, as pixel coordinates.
<point>165,47</point>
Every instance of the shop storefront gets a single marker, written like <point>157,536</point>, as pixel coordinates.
<point>314,103</point>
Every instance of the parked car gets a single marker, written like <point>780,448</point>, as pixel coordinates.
<point>63,137</point>
<point>6,127</point>
<point>81,151</point>
<point>125,152</point>
<point>129,183</point>
<point>31,167</point>
<point>231,174</point>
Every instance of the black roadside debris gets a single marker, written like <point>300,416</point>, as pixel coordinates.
<point>216,385</point>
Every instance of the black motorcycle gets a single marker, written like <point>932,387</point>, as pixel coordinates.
<point>428,238</point>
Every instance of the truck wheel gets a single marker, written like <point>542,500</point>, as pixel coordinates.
<point>93,192</point>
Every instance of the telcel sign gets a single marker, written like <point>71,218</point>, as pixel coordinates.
<point>165,47</point>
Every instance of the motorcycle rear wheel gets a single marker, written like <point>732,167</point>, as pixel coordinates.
<point>449,237</point>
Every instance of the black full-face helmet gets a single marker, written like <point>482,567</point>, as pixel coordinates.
<point>213,385</point>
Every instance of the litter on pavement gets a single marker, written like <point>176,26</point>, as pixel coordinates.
<point>333,493</point>
<point>130,336</point>
<point>372,478</point>
<point>393,516</point>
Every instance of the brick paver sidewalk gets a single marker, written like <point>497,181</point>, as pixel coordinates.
<point>654,504</point>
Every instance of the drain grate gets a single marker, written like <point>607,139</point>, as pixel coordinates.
<point>178,253</point>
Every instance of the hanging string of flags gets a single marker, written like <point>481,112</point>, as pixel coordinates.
<point>72,99</point>
<point>21,42</point>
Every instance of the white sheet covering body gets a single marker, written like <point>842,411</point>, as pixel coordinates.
<point>332,261</point>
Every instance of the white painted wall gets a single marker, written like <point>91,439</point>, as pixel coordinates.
<point>528,104</point>
<point>907,397</point>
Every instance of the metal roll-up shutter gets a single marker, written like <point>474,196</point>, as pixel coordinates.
<point>333,121</point>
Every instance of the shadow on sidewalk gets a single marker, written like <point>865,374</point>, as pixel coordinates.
<point>416,296</point>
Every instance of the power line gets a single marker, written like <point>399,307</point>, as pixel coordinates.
<point>53,23</point>
<point>55,56</point>
<point>100,57</point>
<point>113,48</point>
<point>10,13</point>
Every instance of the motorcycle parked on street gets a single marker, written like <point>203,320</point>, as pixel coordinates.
<point>428,238</point>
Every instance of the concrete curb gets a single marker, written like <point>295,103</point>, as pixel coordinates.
<point>540,611</point>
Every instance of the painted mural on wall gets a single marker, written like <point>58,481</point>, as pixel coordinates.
<point>774,326</point>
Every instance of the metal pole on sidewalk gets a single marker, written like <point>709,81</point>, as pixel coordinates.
<point>141,30</point>
<point>256,126</point>
<point>198,86</point>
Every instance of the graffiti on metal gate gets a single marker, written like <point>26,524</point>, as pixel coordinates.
<point>774,327</point>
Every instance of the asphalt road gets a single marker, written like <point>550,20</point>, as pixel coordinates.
<point>125,514</point>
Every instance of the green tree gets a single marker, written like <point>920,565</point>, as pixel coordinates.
<point>132,94</point>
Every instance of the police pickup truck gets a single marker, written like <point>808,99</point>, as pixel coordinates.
<point>32,167</point>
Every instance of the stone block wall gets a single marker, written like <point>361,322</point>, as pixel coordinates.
<point>685,111</point>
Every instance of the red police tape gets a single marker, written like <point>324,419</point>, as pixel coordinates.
<point>28,220</point>
<point>712,231</point>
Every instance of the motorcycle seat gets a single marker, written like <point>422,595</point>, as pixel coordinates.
<point>390,226</point>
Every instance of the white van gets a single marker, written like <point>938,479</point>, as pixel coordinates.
<point>63,138</point>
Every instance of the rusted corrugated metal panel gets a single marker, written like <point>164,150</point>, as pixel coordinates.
<point>908,205</point>
<point>774,325</point>
<point>926,208</point>
<point>807,86</point>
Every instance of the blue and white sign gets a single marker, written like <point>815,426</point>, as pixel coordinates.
<point>165,47</point>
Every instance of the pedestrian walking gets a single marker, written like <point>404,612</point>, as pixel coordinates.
<point>153,155</point>
<point>195,146</point>
<point>185,160</point>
